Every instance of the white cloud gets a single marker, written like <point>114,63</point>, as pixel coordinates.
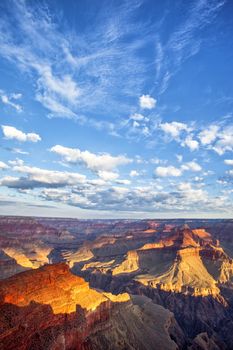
<point>50,176</point>
<point>147,102</point>
<point>19,151</point>
<point>94,162</point>
<point>63,86</point>
<point>10,133</point>
<point>173,171</point>
<point>37,177</point>
<point>157,161</point>
<point>107,175</point>
<point>209,135</point>
<point>193,166</point>
<point>123,182</point>
<point>192,144</point>
<point>139,160</point>
<point>10,100</point>
<point>191,194</point>
<point>213,137</point>
<point>134,173</point>
<point>16,162</point>
<point>136,124</point>
<point>137,117</point>
<point>56,107</point>
<point>184,41</point>
<point>179,157</point>
<point>225,140</point>
<point>174,129</point>
<point>145,131</point>
<point>167,171</point>
<point>148,198</point>
<point>198,178</point>
<point>3,165</point>
<point>70,76</point>
<point>228,161</point>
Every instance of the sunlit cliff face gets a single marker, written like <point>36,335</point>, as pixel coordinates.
<point>182,268</point>
<point>34,259</point>
<point>186,275</point>
<point>85,252</point>
<point>183,261</point>
<point>54,285</point>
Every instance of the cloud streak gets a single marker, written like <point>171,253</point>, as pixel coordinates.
<point>71,77</point>
<point>185,41</point>
<point>11,99</point>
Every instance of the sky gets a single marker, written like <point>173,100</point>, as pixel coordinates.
<point>116,109</point>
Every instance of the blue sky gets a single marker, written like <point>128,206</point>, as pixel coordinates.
<point>115,109</point>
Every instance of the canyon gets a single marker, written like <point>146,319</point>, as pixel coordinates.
<point>116,284</point>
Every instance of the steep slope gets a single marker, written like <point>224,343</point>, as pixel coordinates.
<point>187,274</point>
<point>32,256</point>
<point>130,264</point>
<point>50,308</point>
<point>105,246</point>
<point>54,286</point>
<point>142,326</point>
<point>218,263</point>
<point>9,266</point>
<point>185,260</point>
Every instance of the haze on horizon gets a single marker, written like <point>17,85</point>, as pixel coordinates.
<point>116,109</point>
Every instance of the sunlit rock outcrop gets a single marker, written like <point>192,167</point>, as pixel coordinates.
<point>53,285</point>
<point>50,308</point>
<point>130,264</point>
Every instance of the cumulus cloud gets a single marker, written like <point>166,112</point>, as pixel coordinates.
<point>218,138</point>
<point>65,196</point>
<point>3,165</point>
<point>98,163</point>
<point>76,190</point>
<point>147,102</point>
<point>193,166</point>
<point>213,137</point>
<point>16,162</point>
<point>192,194</point>
<point>192,144</point>
<point>208,135</point>
<point>230,172</point>
<point>37,177</point>
<point>10,133</point>
<point>224,142</point>
<point>138,126</point>
<point>183,198</point>
<point>167,171</point>
<point>174,129</point>
<point>107,175</point>
<point>228,161</point>
<point>134,173</point>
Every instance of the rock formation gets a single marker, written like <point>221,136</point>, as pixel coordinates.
<point>50,308</point>
<point>132,283</point>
